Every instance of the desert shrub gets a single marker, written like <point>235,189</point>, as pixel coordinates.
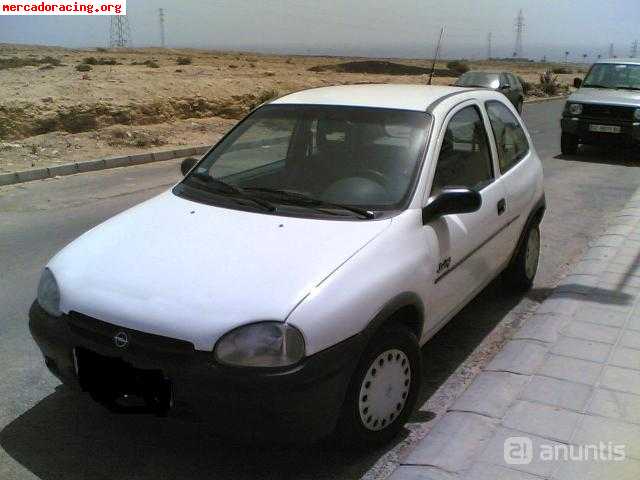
<point>152,64</point>
<point>184,61</point>
<point>562,70</point>
<point>75,121</point>
<point>102,49</point>
<point>30,61</point>
<point>84,67</point>
<point>50,60</point>
<point>263,97</point>
<point>99,61</point>
<point>47,67</point>
<point>231,65</point>
<point>90,61</point>
<point>549,83</point>
<point>458,66</point>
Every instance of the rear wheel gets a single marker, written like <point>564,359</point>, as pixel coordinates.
<point>522,272</point>
<point>383,390</point>
<point>568,144</point>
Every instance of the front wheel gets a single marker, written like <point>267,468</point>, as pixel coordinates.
<point>568,144</point>
<point>383,390</point>
<point>522,272</point>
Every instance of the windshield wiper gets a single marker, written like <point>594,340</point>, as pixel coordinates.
<point>304,200</point>
<point>227,188</point>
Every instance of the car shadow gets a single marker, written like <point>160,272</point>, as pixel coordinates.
<point>68,436</point>
<point>606,155</point>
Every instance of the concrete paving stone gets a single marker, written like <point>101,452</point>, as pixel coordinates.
<point>542,327</point>
<point>631,339</point>
<point>561,304</point>
<point>519,356</point>
<point>491,393</point>
<point>411,472</point>
<point>495,452</point>
<point>620,229</point>
<point>115,162</point>
<point>486,471</point>
<point>166,155</point>
<point>30,175</point>
<point>621,379</point>
<point>575,286</point>
<point>610,298</point>
<point>596,430</point>
<point>66,169</point>
<point>589,267</point>
<point>623,263</point>
<point>546,421</point>
<point>454,442</point>
<point>141,158</point>
<point>591,331</point>
<point>607,241</point>
<point>582,349</point>
<point>598,470</point>
<point>618,405</point>
<point>570,395</point>
<point>634,322</point>
<point>572,369</point>
<point>90,166</point>
<point>628,251</point>
<point>600,253</point>
<point>626,357</point>
<point>601,315</point>
<point>626,278</point>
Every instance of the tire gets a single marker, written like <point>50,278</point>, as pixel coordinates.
<point>568,144</point>
<point>520,105</point>
<point>383,390</point>
<point>522,272</point>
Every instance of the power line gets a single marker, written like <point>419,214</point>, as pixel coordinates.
<point>517,51</point>
<point>119,32</point>
<point>161,18</point>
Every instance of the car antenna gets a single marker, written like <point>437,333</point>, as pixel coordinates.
<point>435,57</point>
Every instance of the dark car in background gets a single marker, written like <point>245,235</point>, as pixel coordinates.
<point>606,107</point>
<point>504,82</point>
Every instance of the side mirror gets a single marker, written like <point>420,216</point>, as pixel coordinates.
<point>450,201</point>
<point>187,164</point>
<point>504,86</point>
<point>577,82</point>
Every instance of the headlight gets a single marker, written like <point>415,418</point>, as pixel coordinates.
<point>636,114</point>
<point>49,294</point>
<point>575,108</point>
<point>264,344</point>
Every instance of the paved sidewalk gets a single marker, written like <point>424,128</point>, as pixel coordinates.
<point>562,399</point>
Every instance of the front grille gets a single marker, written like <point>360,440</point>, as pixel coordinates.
<point>103,333</point>
<point>608,112</point>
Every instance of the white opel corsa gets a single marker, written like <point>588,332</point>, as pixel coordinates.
<point>284,287</point>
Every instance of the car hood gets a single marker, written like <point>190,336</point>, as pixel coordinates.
<point>190,271</point>
<point>629,98</point>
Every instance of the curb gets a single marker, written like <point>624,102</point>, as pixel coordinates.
<point>545,99</point>
<point>101,164</point>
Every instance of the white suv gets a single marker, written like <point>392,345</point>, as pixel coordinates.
<point>285,285</point>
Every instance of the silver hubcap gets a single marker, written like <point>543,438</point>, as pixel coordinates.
<point>532,253</point>
<point>384,390</point>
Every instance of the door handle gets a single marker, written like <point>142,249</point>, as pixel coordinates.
<point>502,206</point>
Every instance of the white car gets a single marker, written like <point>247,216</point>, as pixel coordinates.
<point>285,286</point>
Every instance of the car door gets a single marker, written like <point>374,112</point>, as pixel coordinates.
<point>468,246</point>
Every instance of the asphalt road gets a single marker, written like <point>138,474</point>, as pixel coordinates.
<point>49,433</point>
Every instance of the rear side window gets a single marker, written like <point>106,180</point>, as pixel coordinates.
<point>464,160</point>
<point>511,141</point>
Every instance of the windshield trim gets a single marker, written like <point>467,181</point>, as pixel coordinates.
<point>585,84</point>
<point>183,189</point>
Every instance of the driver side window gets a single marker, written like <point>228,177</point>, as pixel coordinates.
<point>465,158</point>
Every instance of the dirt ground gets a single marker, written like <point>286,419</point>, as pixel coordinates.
<point>153,99</point>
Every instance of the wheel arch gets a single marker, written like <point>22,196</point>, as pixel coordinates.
<point>406,309</point>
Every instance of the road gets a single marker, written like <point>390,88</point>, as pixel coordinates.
<point>50,433</point>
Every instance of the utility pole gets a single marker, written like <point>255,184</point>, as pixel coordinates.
<point>517,51</point>
<point>611,51</point>
<point>437,54</point>
<point>566,57</point>
<point>119,32</point>
<point>489,39</point>
<point>161,18</point>
<point>584,57</point>
<point>634,49</point>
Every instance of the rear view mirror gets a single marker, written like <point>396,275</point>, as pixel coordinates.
<point>577,82</point>
<point>450,201</point>
<point>187,164</point>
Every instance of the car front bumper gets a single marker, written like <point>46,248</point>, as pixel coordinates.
<point>580,127</point>
<point>301,402</point>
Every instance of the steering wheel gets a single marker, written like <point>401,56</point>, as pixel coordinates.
<point>376,176</point>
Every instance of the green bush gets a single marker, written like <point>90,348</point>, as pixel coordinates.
<point>152,64</point>
<point>562,71</point>
<point>184,61</point>
<point>84,67</point>
<point>549,83</point>
<point>458,66</point>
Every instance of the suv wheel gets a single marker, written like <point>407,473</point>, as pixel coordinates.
<point>383,390</point>
<point>568,144</point>
<point>522,272</point>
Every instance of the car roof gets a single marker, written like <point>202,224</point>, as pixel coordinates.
<point>402,97</point>
<point>630,61</point>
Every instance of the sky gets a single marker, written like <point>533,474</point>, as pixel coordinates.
<point>376,28</point>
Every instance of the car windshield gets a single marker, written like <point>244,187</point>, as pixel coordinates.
<point>613,75</point>
<point>479,79</point>
<point>318,156</point>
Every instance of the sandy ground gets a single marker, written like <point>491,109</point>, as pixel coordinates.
<point>51,115</point>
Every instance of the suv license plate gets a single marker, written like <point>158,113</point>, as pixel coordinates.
<point>604,128</point>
